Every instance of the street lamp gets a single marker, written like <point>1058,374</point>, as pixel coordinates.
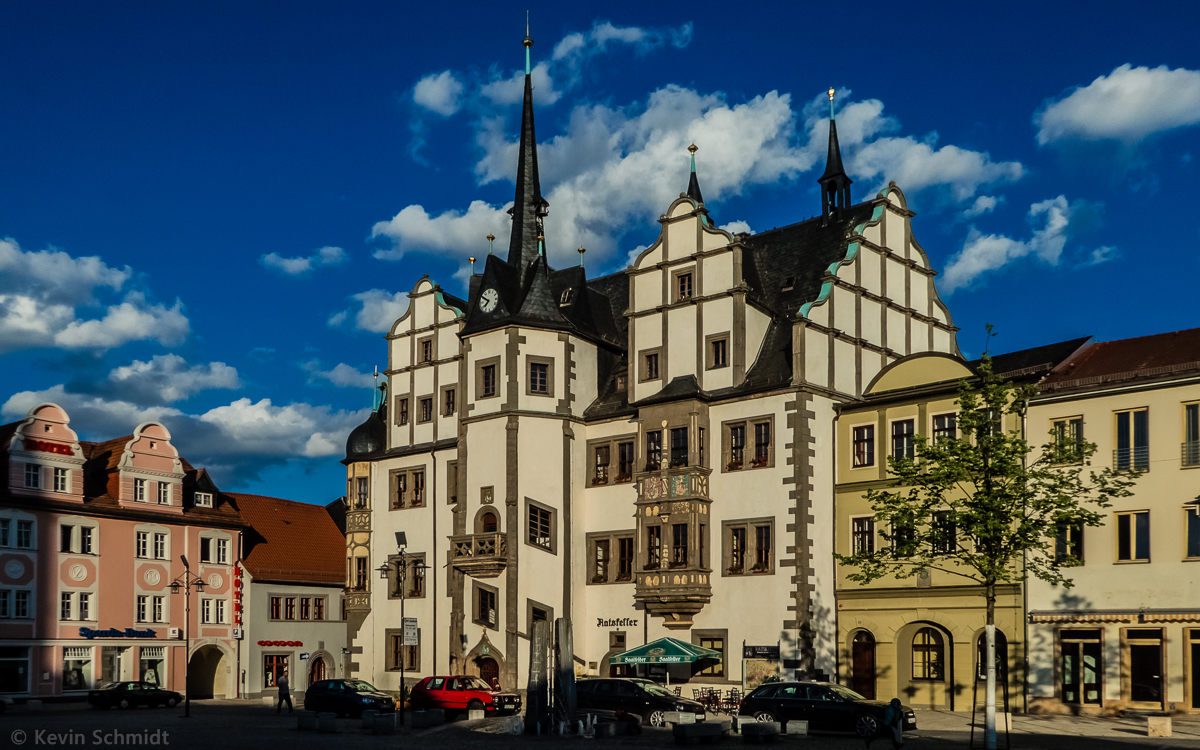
<point>187,581</point>
<point>401,561</point>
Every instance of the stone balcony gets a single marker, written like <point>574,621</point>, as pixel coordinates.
<point>479,555</point>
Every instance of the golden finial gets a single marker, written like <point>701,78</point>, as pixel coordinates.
<point>528,40</point>
<point>581,251</point>
<point>831,93</point>
<point>692,149</point>
<point>472,259</point>
<point>491,238</point>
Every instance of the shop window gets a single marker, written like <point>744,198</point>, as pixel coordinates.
<point>945,427</point>
<point>748,546</point>
<point>1082,666</point>
<point>653,450</point>
<point>151,665</point>
<point>77,667</point>
<point>1068,440</point>
<point>1133,440</point>
<point>274,667</point>
<point>864,446</point>
<point>1144,663</point>
<point>679,447</point>
<point>400,656</point>
<point>862,535</point>
<point>1001,656</point>
<point>14,669</point>
<point>928,655</point>
<point>33,476</point>
<point>485,613</point>
<point>60,480</point>
<point>1133,536</point>
<point>903,442</point>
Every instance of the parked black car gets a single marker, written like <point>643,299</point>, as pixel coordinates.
<point>130,694</point>
<point>347,698</point>
<point>631,695</point>
<point>824,706</point>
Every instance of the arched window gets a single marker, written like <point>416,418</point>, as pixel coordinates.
<point>1001,655</point>
<point>488,523</point>
<point>928,655</point>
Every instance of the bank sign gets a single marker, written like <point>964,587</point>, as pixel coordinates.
<point>116,633</point>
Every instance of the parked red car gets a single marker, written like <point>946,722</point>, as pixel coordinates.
<point>457,693</point>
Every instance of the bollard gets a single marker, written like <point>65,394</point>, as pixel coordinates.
<point>476,713</point>
<point>268,701</point>
<point>796,727</point>
<point>1158,726</point>
<point>306,720</point>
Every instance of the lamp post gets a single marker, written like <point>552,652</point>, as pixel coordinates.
<point>401,561</point>
<point>187,581</point>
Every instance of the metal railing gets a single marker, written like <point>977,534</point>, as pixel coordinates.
<point>1190,453</point>
<point>1137,459</point>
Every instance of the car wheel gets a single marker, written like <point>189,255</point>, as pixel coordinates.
<point>475,705</point>
<point>656,718</point>
<point>866,726</point>
<point>172,702</point>
<point>123,703</point>
<point>764,716</point>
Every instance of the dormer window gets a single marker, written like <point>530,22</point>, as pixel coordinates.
<point>203,499</point>
<point>567,297</point>
<point>153,445</point>
<point>139,490</point>
<point>33,476</point>
<point>789,283</point>
<point>164,493</point>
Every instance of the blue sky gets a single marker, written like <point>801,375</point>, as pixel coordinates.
<point>210,212</point>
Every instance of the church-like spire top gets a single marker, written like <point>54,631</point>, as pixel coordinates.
<point>528,42</point>
<point>529,207</point>
<point>693,190</point>
<point>835,183</point>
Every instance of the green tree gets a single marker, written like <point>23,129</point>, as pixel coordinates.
<point>987,506</point>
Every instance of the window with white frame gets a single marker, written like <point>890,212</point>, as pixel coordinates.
<point>219,610</point>
<point>67,607</point>
<point>160,546</point>
<point>206,611</point>
<point>60,480</point>
<point>21,605</point>
<point>25,534</point>
<point>143,544</point>
<point>143,608</point>
<point>139,490</point>
<point>160,609</point>
<point>87,537</point>
<point>33,476</point>
<point>206,549</point>
<point>222,552</point>
<point>203,499</point>
<point>164,493</point>
<point>85,605</point>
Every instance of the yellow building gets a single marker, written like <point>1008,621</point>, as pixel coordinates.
<point>919,639</point>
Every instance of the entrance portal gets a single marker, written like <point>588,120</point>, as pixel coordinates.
<point>489,671</point>
<point>317,670</point>
<point>1145,665</point>
<point>204,670</point>
<point>863,665</point>
<point>1081,666</point>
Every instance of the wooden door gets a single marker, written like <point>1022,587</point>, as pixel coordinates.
<point>489,671</point>
<point>863,665</point>
<point>317,671</point>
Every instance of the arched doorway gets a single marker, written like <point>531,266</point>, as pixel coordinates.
<point>489,671</point>
<point>206,667</point>
<point>316,670</point>
<point>862,661</point>
<point>487,523</point>
<point>1001,656</point>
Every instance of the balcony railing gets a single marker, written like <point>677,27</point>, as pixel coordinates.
<point>1190,453</point>
<point>479,555</point>
<point>1137,459</point>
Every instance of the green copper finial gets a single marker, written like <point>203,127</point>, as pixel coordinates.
<point>692,149</point>
<point>528,42</point>
<point>831,93</point>
<point>582,250</point>
<point>491,238</point>
<point>542,245</point>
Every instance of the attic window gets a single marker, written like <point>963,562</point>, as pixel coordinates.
<point>568,296</point>
<point>153,445</point>
<point>203,499</point>
<point>788,283</point>
<point>47,427</point>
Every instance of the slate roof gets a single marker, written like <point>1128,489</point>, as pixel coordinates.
<point>1155,356</point>
<point>291,542</point>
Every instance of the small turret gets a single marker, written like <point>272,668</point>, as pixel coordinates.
<point>835,184</point>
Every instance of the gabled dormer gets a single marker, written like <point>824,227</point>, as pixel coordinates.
<point>146,472</point>
<point>44,456</point>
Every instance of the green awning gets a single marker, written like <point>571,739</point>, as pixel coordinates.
<point>666,651</point>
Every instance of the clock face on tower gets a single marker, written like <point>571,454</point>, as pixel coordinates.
<point>488,300</point>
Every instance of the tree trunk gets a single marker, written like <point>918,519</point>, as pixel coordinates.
<point>990,691</point>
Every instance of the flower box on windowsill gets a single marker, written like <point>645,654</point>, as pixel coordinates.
<point>599,578</point>
<point>758,462</point>
<point>597,481</point>
<point>650,566</point>
<point>679,564</point>
<point>624,577</point>
<point>624,478</point>
<point>733,466</point>
<point>760,568</point>
<point>653,467</point>
<point>678,464</point>
<point>734,571</point>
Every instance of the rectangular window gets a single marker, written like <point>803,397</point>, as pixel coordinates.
<point>274,665</point>
<point>66,534</point>
<point>159,609</point>
<point>416,577</point>
<point>719,352</point>
<point>653,547</point>
<point>5,602</point>
<point>402,410</point>
<point>360,574</point>
<point>748,546</point>
<point>139,490</point>
<point>683,286</point>
<point>85,540</point>
<point>143,608</point>
<point>700,445</point>
<point>426,409</point>
<point>448,403</point>
<point>539,527</point>
<point>1068,543</point>
<point>85,605</point>
<point>164,493</point>
<point>276,607</point>
<point>654,450</point>
<point>539,378</point>
<point>737,446</point>
<point>5,527</point>
<point>945,427</point>
<point>488,374</point>
<point>400,656</point>
<point>625,558</point>
<point>33,476</point>
<point>485,607</point>
<point>427,350</point>
<point>903,432</point>
<point>143,544</point>
<point>762,444</point>
<point>1133,536</point>
<point>651,366</point>
<point>60,480</point>
<point>600,473</point>
<point>625,461</point>
<point>160,546</point>
<point>319,608</point>
<point>679,446</point>
<point>21,604</point>
<point>762,548</point>
<point>222,552</point>
<point>600,560</point>
<point>715,668</point>
<point>862,535</point>
<point>679,545</point>
<point>1191,520</point>
<point>289,608</point>
<point>25,534</point>
<point>1068,439</point>
<point>864,446</point>
<point>1133,440</point>
<point>737,549</point>
<point>67,606</point>
<point>205,550</point>
<point>361,491</point>
<point>206,611</point>
<point>418,489</point>
<point>400,492</point>
<point>220,611</point>
<point>945,534</point>
<point>203,499</point>
<point>1191,434</point>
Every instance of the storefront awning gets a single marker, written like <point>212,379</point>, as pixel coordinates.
<point>666,651</point>
<point>1115,615</point>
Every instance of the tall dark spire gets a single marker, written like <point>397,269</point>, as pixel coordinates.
<point>528,206</point>
<point>693,190</point>
<point>835,184</point>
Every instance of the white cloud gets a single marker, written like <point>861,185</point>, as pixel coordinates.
<point>53,276</point>
<point>377,310</point>
<point>505,90</point>
<point>1127,105</point>
<point>984,204</point>
<point>132,320</point>
<point>326,256</point>
<point>439,92</point>
<point>1102,254</point>
<point>342,375</point>
<point>166,378</point>
<point>414,228</point>
<point>737,227</point>
<point>983,253</point>
<point>89,413</point>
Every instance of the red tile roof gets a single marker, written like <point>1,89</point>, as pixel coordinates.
<point>1145,356</point>
<point>291,542</point>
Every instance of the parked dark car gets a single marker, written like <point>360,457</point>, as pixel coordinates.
<point>456,693</point>
<point>347,698</point>
<point>632,695</point>
<point>130,694</point>
<point>826,707</point>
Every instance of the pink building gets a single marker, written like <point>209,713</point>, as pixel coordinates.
<point>91,537</point>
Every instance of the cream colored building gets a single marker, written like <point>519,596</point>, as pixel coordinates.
<point>648,453</point>
<point>1128,632</point>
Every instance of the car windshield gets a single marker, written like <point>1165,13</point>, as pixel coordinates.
<point>653,688</point>
<point>360,687</point>
<point>474,683</point>
<point>846,693</point>
<point>111,686</point>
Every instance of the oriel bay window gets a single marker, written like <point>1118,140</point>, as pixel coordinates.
<point>679,545</point>
<point>654,450</point>
<point>653,547</point>
<point>748,546</point>
<point>679,446</point>
<point>1133,440</point>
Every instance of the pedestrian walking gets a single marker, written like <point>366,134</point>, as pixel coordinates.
<point>892,726</point>
<point>285,693</point>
